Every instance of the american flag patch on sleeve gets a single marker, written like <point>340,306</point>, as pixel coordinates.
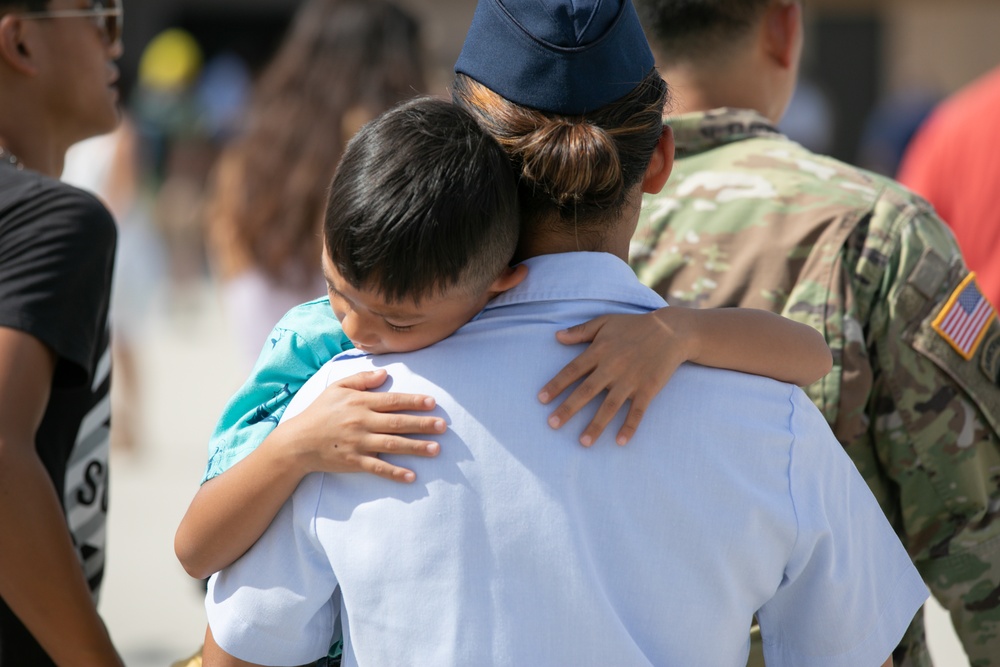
<point>965,317</point>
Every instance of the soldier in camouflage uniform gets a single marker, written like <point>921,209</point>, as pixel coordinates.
<point>750,218</point>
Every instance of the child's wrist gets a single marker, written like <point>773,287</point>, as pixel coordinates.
<point>284,451</point>
<point>681,325</point>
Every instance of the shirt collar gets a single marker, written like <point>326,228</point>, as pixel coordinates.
<point>703,130</point>
<point>579,276</point>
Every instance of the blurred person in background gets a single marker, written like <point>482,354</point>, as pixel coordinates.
<point>890,127</point>
<point>177,154</point>
<point>954,161</point>
<point>109,166</point>
<point>342,63</point>
<point>57,246</point>
<point>752,219</point>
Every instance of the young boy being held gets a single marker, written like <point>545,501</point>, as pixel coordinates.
<point>424,207</point>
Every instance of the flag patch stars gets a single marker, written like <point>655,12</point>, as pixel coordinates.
<point>965,317</point>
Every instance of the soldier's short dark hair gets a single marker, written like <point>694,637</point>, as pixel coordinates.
<point>685,30</point>
<point>424,201</point>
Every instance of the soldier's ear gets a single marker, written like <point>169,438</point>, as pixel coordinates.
<point>782,33</point>
<point>16,44</point>
<point>660,164</point>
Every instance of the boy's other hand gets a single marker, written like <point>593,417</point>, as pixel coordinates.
<point>631,357</point>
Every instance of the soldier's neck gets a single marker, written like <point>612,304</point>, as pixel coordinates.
<point>732,85</point>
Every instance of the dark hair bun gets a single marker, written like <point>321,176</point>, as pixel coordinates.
<point>571,161</point>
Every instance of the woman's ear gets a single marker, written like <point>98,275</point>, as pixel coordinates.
<point>660,164</point>
<point>15,51</point>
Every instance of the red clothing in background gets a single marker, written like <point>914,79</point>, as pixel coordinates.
<point>954,161</point>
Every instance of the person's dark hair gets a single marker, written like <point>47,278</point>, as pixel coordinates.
<point>685,30</point>
<point>22,6</point>
<point>575,171</point>
<point>423,201</point>
<point>342,63</point>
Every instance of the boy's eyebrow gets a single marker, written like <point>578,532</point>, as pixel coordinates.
<point>394,314</point>
<point>389,313</point>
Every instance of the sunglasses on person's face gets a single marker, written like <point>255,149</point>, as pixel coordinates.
<point>109,16</point>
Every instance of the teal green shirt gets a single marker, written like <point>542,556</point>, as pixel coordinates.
<point>304,339</point>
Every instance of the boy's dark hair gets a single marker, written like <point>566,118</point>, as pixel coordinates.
<point>423,200</point>
<point>687,30</point>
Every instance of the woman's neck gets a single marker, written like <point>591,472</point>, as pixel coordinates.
<point>614,238</point>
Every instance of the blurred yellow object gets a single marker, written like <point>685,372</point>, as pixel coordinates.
<point>171,61</point>
<point>193,661</point>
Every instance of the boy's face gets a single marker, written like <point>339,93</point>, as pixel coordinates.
<point>378,327</point>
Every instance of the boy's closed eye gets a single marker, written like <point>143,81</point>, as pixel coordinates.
<point>399,328</point>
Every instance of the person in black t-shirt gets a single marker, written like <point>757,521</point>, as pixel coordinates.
<point>57,247</point>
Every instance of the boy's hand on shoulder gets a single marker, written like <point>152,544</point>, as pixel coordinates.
<point>631,357</point>
<point>347,427</point>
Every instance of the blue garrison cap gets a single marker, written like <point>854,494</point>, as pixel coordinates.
<point>561,56</point>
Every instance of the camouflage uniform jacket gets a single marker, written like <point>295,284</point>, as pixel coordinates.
<point>750,218</point>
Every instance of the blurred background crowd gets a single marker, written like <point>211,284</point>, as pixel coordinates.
<point>236,113</point>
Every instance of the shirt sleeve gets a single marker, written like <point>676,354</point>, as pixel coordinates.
<point>302,341</point>
<point>278,604</point>
<point>936,421</point>
<point>56,260</point>
<point>849,590</point>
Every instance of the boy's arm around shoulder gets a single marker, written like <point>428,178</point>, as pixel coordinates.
<point>633,357</point>
<point>228,513</point>
<point>337,428</point>
<point>303,340</point>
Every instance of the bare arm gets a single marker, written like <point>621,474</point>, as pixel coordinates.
<point>344,430</point>
<point>40,576</point>
<point>633,357</point>
<point>888,662</point>
<point>213,656</point>
<point>753,341</point>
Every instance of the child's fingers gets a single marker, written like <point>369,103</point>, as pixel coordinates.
<point>395,423</point>
<point>364,380</point>
<point>580,396</point>
<point>637,410</point>
<point>581,333</point>
<point>569,374</point>
<point>388,401</point>
<point>393,402</point>
<point>376,466</point>
<point>605,413</point>
<point>406,446</point>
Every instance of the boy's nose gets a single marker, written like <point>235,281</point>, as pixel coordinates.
<point>360,334</point>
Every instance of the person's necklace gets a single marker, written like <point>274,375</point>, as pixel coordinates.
<point>10,158</point>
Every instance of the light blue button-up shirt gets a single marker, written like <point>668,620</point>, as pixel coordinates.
<point>515,546</point>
